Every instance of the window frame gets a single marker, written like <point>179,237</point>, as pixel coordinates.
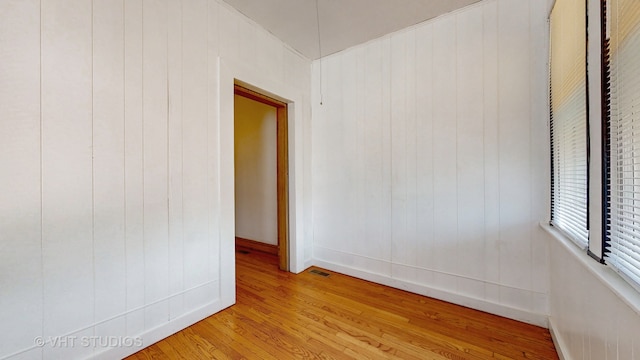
<point>587,150</point>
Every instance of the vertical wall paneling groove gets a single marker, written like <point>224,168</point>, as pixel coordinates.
<point>424,147</point>
<point>411,154</point>
<point>108,165</point>
<point>398,148</point>
<point>212,62</point>
<point>459,149</point>
<point>213,170</point>
<point>445,152</point>
<point>359,153</point>
<point>41,208</point>
<point>338,102</point>
<point>175,158</point>
<point>307,199</point>
<point>514,142</point>
<point>386,252</point>
<point>316,111</point>
<point>133,166</point>
<point>93,166</point>
<point>21,298</point>
<point>373,154</point>
<point>470,135</point>
<point>317,159</point>
<point>348,141</point>
<point>491,154</point>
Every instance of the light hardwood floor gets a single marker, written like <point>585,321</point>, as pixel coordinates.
<point>280,315</point>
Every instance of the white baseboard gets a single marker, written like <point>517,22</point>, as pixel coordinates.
<point>154,335</point>
<point>558,341</point>
<point>463,300</point>
<point>307,264</point>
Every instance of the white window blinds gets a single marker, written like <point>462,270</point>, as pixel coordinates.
<point>623,241</point>
<point>569,119</point>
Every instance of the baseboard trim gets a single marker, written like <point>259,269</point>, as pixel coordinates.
<point>307,264</point>
<point>154,335</point>
<point>444,295</point>
<point>558,341</point>
<point>257,246</point>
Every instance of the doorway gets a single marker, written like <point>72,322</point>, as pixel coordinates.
<point>262,174</point>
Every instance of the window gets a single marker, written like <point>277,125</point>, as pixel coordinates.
<point>569,128</point>
<point>621,65</point>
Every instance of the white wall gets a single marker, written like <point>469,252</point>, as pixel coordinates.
<point>115,165</point>
<point>430,159</point>
<point>594,313</point>
<point>255,169</point>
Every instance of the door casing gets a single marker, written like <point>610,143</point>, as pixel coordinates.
<point>282,172</point>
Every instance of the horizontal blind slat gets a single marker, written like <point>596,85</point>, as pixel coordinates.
<point>569,120</point>
<point>624,124</point>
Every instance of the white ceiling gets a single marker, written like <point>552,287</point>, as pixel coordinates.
<point>343,23</point>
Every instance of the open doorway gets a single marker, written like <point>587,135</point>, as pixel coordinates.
<point>261,174</point>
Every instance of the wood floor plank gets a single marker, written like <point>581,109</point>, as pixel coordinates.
<point>279,315</point>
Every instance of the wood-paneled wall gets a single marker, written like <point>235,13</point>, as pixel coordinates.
<point>109,164</point>
<point>594,313</point>
<point>430,159</point>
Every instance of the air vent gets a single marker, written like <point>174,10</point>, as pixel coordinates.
<point>320,273</point>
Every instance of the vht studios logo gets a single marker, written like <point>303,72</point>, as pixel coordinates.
<point>87,341</point>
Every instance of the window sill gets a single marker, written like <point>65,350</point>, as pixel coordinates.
<point>605,274</point>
